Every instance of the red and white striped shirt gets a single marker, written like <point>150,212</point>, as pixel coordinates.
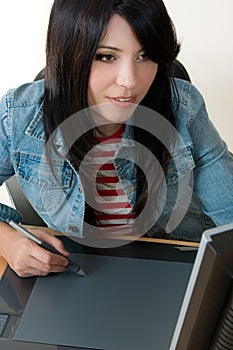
<point>113,207</point>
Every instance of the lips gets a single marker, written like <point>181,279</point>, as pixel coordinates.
<point>123,99</point>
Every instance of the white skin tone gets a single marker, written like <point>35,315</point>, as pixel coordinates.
<point>121,75</point>
<point>27,258</point>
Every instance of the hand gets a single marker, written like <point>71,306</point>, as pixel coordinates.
<point>26,257</point>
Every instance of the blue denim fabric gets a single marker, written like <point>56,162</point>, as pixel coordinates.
<point>61,203</point>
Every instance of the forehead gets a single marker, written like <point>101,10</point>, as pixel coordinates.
<point>119,31</point>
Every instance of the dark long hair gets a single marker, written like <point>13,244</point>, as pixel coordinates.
<point>75,29</point>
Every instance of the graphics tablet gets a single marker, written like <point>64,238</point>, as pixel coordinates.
<point>130,299</point>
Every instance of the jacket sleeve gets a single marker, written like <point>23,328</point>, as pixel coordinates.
<point>6,166</point>
<point>213,173</point>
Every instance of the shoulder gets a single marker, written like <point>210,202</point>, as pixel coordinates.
<point>188,109</point>
<point>186,94</point>
<point>26,94</point>
<point>187,103</point>
<point>22,108</point>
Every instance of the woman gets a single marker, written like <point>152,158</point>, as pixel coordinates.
<point>109,141</point>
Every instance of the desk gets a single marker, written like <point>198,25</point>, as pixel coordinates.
<point>3,266</point>
<point>3,263</point>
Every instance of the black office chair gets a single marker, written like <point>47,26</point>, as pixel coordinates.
<point>179,71</point>
<point>20,202</point>
<point>18,199</point>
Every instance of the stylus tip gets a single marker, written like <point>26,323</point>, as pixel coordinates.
<point>81,273</point>
<point>76,268</point>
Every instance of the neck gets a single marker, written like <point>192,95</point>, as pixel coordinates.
<point>107,129</point>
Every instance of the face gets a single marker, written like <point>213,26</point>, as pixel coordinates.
<point>121,72</point>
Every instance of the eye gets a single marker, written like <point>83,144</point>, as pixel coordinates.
<point>107,58</point>
<point>143,57</point>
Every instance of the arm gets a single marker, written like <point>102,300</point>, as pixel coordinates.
<point>213,174</point>
<point>25,257</point>
<point>6,166</point>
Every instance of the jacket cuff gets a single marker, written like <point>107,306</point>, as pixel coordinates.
<point>7,214</point>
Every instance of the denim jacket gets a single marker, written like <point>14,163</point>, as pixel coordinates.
<point>61,204</point>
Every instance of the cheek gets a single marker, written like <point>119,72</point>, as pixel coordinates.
<point>149,75</point>
<point>98,80</point>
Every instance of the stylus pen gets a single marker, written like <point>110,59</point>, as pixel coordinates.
<point>72,265</point>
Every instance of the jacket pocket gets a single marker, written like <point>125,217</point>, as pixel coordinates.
<point>181,164</point>
<point>45,186</point>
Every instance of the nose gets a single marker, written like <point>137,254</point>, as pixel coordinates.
<point>127,75</point>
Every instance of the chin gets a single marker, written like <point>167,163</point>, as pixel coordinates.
<point>113,113</point>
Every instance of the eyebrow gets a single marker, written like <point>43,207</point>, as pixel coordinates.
<point>114,48</point>
<point>109,48</point>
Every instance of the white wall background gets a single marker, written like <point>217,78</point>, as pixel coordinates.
<point>204,27</point>
<point>23,26</point>
<point>205,30</point>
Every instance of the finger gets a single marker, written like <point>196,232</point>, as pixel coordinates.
<point>48,258</point>
<point>40,269</point>
<point>57,244</point>
<point>41,264</point>
<point>31,259</point>
<point>53,241</point>
<point>34,267</point>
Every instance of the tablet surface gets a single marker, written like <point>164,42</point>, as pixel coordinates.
<point>123,304</point>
